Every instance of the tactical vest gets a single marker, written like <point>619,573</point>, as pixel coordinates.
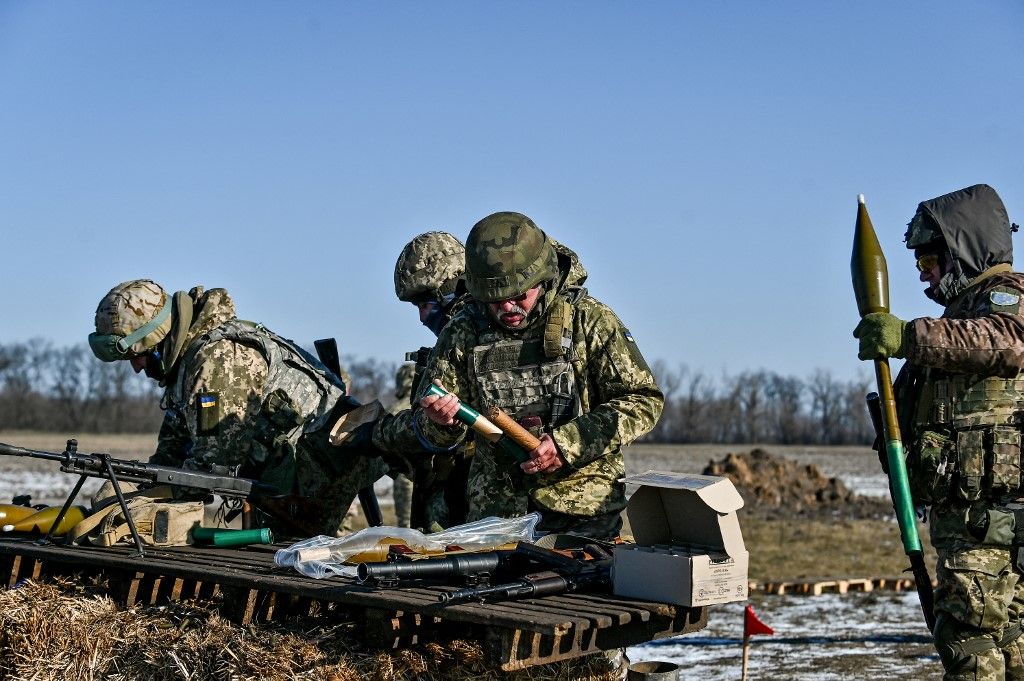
<point>530,376</point>
<point>299,393</point>
<point>970,443</point>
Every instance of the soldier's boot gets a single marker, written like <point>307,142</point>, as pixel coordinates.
<point>967,653</point>
<point>1011,643</point>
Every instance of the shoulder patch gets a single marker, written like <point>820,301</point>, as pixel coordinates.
<point>207,413</point>
<point>628,335</point>
<point>1004,298</point>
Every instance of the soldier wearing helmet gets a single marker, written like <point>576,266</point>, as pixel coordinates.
<point>235,394</point>
<point>534,343</point>
<point>960,397</point>
<point>428,274</point>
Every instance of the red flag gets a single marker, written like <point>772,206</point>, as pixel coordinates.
<point>752,625</point>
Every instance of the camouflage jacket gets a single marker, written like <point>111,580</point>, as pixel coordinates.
<point>961,404</point>
<point>976,334</point>
<point>618,401</point>
<point>217,411</point>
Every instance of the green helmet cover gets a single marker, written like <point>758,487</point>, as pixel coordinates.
<point>506,256</point>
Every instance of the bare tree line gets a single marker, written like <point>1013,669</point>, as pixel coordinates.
<point>761,406</point>
<point>46,388</point>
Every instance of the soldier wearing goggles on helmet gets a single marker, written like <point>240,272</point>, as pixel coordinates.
<point>960,398</point>
<point>235,394</point>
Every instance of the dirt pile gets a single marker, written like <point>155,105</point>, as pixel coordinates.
<point>773,486</point>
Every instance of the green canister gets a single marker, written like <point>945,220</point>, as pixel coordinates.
<point>225,537</point>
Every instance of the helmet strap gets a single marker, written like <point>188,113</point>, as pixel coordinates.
<point>124,344</point>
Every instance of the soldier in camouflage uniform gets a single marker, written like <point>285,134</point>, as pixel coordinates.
<point>961,403</point>
<point>428,274</point>
<point>535,344</point>
<point>401,488</point>
<point>235,394</point>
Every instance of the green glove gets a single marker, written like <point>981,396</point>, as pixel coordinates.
<point>881,335</point>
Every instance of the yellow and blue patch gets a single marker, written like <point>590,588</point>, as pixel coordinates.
<point>208,413</point>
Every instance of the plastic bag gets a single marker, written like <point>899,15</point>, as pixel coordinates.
<point>324,556</point>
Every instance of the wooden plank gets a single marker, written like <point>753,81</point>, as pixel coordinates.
<point>517,634</point>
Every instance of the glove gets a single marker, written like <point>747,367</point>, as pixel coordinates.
<point>881,335</point>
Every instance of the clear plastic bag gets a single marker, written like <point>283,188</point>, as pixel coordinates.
<point>324,556</point>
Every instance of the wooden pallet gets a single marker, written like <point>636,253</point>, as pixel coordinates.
<point>816,587</point>
<point>250,588</point>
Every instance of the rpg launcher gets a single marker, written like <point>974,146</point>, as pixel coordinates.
<point>528,571</point>
<point>500,429</point>
<point>288,510</point>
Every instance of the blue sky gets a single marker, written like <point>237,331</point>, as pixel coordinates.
<point>702,158</point>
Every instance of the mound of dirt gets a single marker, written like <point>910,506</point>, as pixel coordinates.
<point>773,486</point>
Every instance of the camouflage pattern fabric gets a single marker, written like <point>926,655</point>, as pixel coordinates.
<point>429,267</point>
<point>960,402</point>
<point>401,489</point>
<point>129,306</point>
<point>219,413</point>
<point>618,398</point>
<point>506,255</point>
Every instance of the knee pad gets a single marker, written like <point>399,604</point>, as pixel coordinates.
<point>960,647</point>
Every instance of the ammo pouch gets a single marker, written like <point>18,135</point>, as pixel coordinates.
<point>977,463</point>
<point>159,520</point>
<point>278,426</point>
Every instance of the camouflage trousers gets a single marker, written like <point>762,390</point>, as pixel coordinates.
<point>503,495</point>
<point>401,491</point>
<point>334,484</point>
<point>978,605</point>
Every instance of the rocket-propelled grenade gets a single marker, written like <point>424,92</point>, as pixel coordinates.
<point>510,437</point>
<point>871,287</point>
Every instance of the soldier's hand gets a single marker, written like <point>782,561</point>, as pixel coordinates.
<point>881,335</point>
<point>440,410</point>
<point>545,458</point>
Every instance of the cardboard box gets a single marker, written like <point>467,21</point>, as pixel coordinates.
<point>689,549</point>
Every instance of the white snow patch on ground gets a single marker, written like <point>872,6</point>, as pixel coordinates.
<point>879,635</point>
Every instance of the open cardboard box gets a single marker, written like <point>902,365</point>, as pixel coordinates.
<point>689,549</point>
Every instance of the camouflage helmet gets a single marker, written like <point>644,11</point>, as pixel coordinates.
<point>506,256</point>
<point>131,319</point>
<point>429,267</point>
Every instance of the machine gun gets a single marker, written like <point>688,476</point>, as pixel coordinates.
<point>561,571</point>
<point>290,511</point>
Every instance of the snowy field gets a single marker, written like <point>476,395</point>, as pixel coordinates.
<point>878,635</point>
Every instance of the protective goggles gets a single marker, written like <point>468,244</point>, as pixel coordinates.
<point>110,347</point>
<point>928,262</point>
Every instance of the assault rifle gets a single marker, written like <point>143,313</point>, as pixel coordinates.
<point>562,571</point>
<point>290,511</point>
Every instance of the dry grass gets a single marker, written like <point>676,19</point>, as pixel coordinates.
<point>812,547</point>
<point>62,631</point>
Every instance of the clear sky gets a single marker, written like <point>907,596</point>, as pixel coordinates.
<point>703,158</point>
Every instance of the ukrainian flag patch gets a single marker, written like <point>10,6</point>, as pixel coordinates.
<point>208,416</point>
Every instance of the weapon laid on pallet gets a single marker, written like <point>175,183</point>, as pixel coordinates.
<point>290,511</point>
<point>561,571</point>
<point>588,570</point>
